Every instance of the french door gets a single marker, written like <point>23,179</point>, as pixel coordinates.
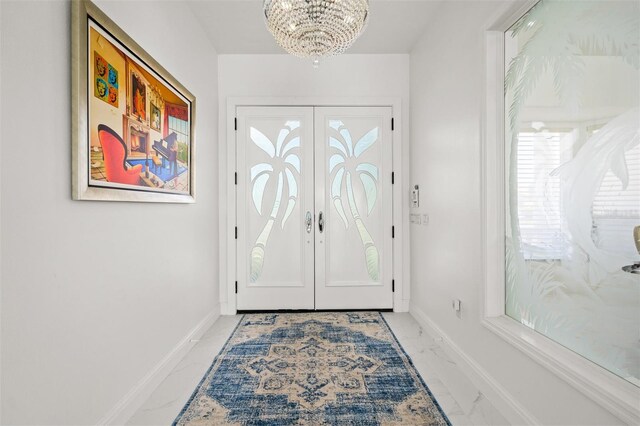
<point>314,203</point>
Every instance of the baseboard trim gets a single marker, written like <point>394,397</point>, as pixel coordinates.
<point>133,400</point>
<point>502,399</point>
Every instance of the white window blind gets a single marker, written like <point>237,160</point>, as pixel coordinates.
<point>616,210</point>
<point>539,201</point>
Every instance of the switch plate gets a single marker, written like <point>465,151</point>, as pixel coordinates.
<point>456,305</point>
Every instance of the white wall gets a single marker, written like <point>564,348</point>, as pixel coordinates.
<point>446,117</point>
<point>94,294</point>
<point>285,76</point>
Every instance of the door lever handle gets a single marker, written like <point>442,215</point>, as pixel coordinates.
<point>320,222</point>
<point>309,222</point>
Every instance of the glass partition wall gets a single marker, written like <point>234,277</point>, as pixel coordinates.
<point>572,157</point>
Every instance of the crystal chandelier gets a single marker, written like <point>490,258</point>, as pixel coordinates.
<point>316,28</point>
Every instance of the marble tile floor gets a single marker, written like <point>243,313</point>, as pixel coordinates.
<point>463,403</point>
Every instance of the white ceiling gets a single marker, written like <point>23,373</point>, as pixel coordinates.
<point>237,26</point>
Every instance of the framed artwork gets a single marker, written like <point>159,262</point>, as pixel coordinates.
<point>156,116</point>
<point>132,122</point>
<point>138,97</point>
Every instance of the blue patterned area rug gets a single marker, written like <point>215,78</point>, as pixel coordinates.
<point>334,368</point>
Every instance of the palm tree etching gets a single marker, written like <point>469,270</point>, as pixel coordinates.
<point>284,164</point>
<point>345,162</point>
<point>559,35</point>
<point>556,37</point>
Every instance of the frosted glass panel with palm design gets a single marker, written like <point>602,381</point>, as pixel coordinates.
<point>275,192</point>
<point>285,163</point>
<point>343,167</point>
<point>354,154</point>
<point>573,170</point>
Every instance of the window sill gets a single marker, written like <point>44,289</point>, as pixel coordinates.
<point>615,394</point>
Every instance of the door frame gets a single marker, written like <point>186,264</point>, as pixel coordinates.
<point>227,208</point>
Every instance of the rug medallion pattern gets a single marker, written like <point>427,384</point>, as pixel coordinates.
<point>312,369</point>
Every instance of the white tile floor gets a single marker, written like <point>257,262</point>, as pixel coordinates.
<point>458,397</point>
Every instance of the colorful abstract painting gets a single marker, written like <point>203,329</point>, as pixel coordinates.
<point>131,148</point>
<point>106,80</point>
<point>113,86</point>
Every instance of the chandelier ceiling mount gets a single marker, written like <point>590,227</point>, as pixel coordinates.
<point>316,28</point>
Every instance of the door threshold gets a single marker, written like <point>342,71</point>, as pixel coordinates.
<point>299,311</point>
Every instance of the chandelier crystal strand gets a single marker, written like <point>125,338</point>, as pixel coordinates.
<point>316,28</point>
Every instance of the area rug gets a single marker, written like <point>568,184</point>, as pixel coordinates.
<point>312,369</point>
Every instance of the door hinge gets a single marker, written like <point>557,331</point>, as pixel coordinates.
<point>235,178</point>
<point>392,124</point>
<point>393,178</point>
<point>393,232</point>
<point>236,232</point>
<point>235,123</point>
<point>236,287</point>
<point>393,286</point>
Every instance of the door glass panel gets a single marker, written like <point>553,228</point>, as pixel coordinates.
<point>274,188</point>
<point>292,186</point>
<point>353,201</point>
<point>370,190</point>
<point>259,184</point>
<point>366,141</point>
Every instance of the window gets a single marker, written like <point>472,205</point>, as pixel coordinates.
<point>177,122</point>
<point>181,127</point>
<point>539,202</point>
<point>572,178</point>
<point>616,209</point>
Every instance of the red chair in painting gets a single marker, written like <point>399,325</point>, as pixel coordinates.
<point>115,158</point>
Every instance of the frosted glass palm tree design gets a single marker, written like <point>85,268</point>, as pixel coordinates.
<point>561,39</point>
<point>559,36</point>
<point>284,165</point>
<point>569,56</point>
<point>345,161</point>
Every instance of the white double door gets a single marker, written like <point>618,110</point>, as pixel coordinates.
<point>314,208</point>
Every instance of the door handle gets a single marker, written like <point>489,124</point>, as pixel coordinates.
<point>320,222</point>
<point>309,222</point>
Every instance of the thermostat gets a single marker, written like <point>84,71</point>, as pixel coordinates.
<point>415,197</point>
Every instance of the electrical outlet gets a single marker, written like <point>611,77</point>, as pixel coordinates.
<point>425,219</point>
<point>456,305</point>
